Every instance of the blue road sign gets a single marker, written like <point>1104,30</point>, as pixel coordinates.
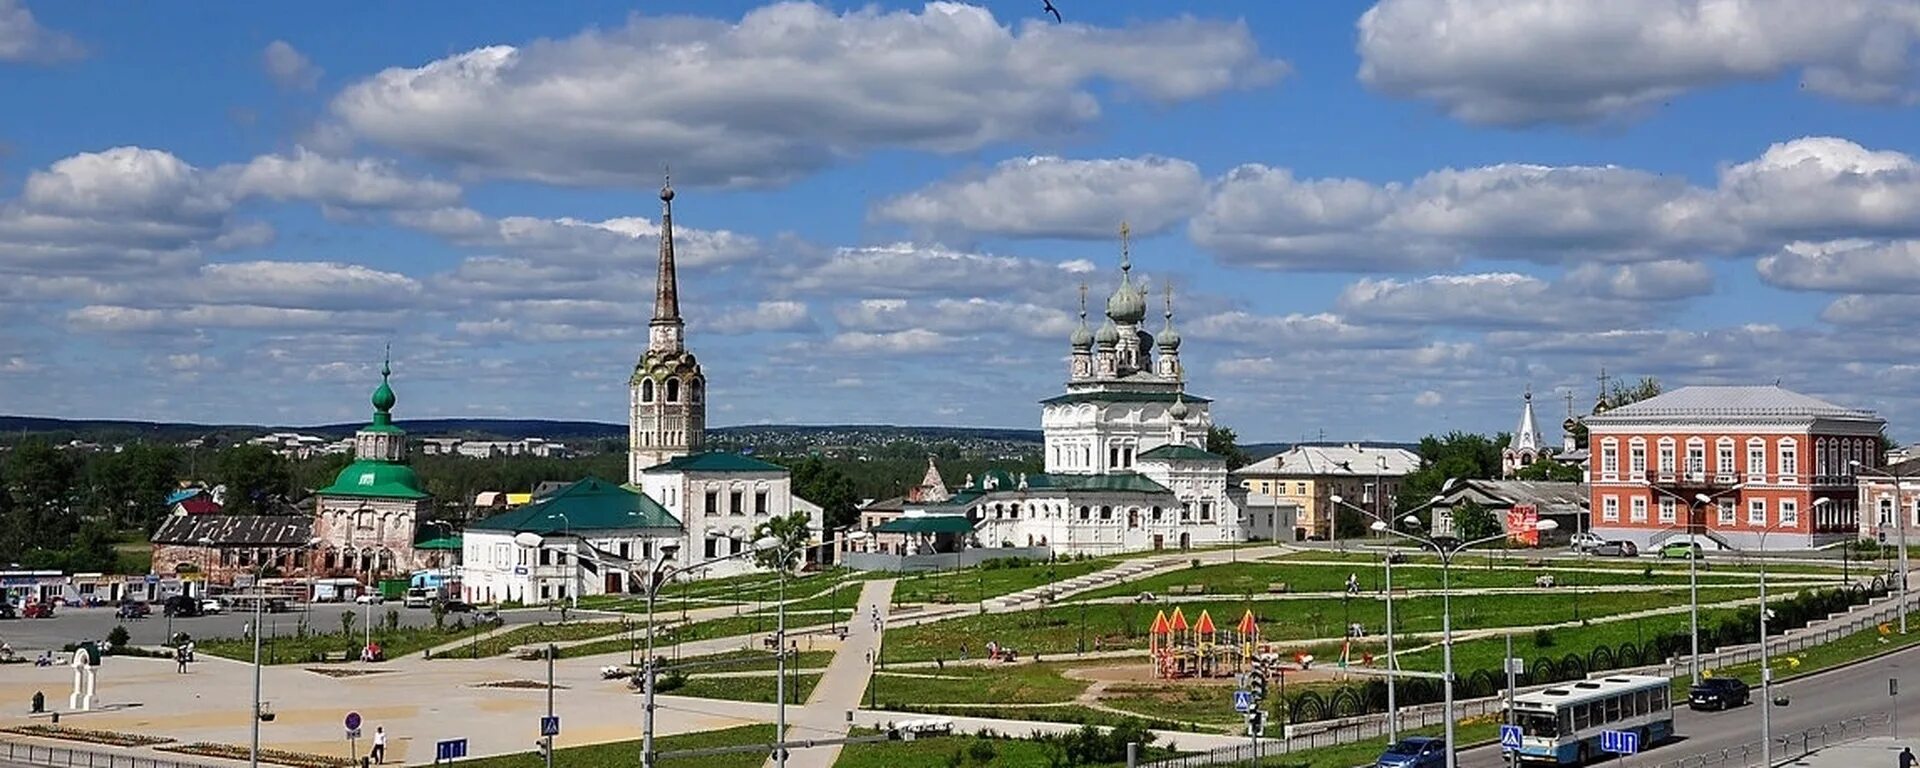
<point>353,721</point>
<point>1243,701</point>
<point>1620,742</point>
<point>1510,737</point>
<point>550,725</point>
<point>449,750</point>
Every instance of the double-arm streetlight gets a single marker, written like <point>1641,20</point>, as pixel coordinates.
<point>1447,553</point>
<point>260,597</point>
<point>1393,662</point>
<point>1900,525</point>
<point>1695,506</point>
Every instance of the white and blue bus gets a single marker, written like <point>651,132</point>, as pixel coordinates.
<point>1562,725</point>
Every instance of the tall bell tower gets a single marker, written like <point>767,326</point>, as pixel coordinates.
<point>668,393</point>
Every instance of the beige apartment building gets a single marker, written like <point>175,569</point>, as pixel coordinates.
<point>1309,476</point>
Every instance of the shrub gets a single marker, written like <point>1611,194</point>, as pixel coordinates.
<point>118,638</point>
<point>982,751</point>
<point>1543,638</point>
<point>393,619</point>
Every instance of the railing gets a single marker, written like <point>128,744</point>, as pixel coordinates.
<point>1792,746</point>
<point>64,757</point>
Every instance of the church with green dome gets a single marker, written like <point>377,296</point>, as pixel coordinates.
<point>368,520</point>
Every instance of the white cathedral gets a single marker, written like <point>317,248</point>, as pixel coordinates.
<point>1126,464</point>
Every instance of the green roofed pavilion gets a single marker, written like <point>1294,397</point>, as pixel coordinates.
<point>926,524</point>
<point>591,505</point>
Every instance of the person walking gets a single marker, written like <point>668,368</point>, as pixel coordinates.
<point>180,658</point>
<point>379,754</point>
<point>1907,760</point>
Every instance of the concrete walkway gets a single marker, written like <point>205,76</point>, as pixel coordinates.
<point>845,682</point>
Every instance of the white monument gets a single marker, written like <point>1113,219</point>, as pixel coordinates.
<point>86,663</point>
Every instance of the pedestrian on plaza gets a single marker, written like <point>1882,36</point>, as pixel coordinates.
<point>180,658</point>
<point>1907,760</point>
<point>246,631</point>
<point>379,754</point>
<point>190,657</point>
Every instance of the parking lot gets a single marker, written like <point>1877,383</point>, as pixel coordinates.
<point>70,625</point>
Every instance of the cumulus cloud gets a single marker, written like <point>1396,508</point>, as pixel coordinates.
<point>763,317</point>
<point>127,320</point>
<point>288,67</point>
<point>1807,189</point>
<point>22,39</point>
<point>915,341</point>
<point>359,183</point>
<point>907,269</point>
<point>957,317</point>
<point>610,106</point>
<point>1857,266</point>
<point>1055,197</point>
<point>1589,296</point>
<point>1519,62</point>
<point>1649,281</point>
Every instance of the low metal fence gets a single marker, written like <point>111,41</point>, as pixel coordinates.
<point>1792,746</point>
<point>25,753</point>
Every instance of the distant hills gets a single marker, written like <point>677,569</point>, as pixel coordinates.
<point>763,436</point>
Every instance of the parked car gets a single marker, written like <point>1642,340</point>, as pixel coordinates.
<point>212,606</point>
<point>39,610</point>
<point>370,598</point>
<point>132,610</point>
<point>1617,548</point>
<point>418,597</point>
<point>181,606</point>
<point>456,605</point>
<point>1680,549</point>
<point>1414,752</point>
<point>1585,541</point>
<point>7,610</point>
<point>1718,693</point>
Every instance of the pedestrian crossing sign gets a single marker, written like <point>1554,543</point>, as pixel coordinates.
<point>1243,701</point>
<point>1510,737</point>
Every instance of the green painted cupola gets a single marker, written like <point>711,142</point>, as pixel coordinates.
<point>379,468</point>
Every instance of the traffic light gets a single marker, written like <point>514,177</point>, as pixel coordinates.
<point>1257,679</point>
<point>542,747</point>
<point>1256,723</point>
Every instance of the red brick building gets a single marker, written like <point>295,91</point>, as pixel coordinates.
<point>1774,465</point>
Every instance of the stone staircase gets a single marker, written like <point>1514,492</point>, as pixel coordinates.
<point>1126,571</point>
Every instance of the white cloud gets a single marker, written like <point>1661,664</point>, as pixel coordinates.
<point>1812,188</point>
<point>288,67</point>
<point>361,183</point>
<point>1587,297</point>
<point>1055,197</point>
<point>957,317</point>
<point>1428,398</point>
<point>114,319</point>
<point>1518,62</point>
<point>907,269</point>
<point>610,106</point>
<point>1649,281</point>
<point>763,317</point>
<point>916,341</point>
<point>1855,266</point>
<point>23,39</point>
<point>1292,330</point>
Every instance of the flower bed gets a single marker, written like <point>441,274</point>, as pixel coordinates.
<point>520,684</point>
<point>109,738</point>
<point>345,672</point>
<point>275,756</point>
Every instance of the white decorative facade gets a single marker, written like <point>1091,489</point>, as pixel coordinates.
<point>721,499</point>
<point>1126,465</point>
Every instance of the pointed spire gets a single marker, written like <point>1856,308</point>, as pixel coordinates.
<point>666,298</point>
<point>1082,338</point>
<point>383,399</point>
<point>1527,437</point>
<point>1126,248</point>
<point>1127,305</point>
<point>1169,338</point>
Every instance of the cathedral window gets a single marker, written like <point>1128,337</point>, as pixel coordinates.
<point>1113,456</point>
<point>1085,514</point>
<point>694,391</point>
<point>673,390</point>
<point>1158,513</point>
<point>1206,510</point>
<point>734,504</point>
<point>646,390</point>
<point>1106,513</point>
<point>760,502</point>
<point>713,503</point>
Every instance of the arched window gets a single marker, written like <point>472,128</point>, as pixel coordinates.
<point>646,390</point>
<point>694,390</point>
<point>673,390</point>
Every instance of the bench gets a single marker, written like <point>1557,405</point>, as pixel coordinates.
<point>1276,588</point>
<point>942,598</point>
<point>336,656</point>
<point>1187,589</point>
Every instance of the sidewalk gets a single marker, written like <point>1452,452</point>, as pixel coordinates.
<point>845,682</point>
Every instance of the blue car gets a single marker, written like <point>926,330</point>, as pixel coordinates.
<point>1414,752</point>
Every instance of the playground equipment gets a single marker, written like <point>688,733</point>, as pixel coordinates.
<point>1200,649</point>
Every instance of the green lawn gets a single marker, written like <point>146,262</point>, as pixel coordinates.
<point>1058,629</point>
<point>970,751</point>
<point>1229,579</point>
<point>626,754</point>
<point>1718,561</point>
<point>1016,684</point>
<point>750,660</point>
<point>1859,645</point>
<point>280,646</point>
<point>1206,706</point>
<point>972,585</point>
<point>746,688</point>
<point>538,634</point>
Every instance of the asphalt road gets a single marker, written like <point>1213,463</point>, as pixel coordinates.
<point>1812,702</point>
<point>30,636</point>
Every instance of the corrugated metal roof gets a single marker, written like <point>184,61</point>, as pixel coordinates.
<point>1545,495</point>
<point>926,524</point>
<point>236,530</point>
<point>1179,452</point>
<point>1344,460</point>
<point>1738,401</point>
<point>715,461</point>
<point>591,504</point>
<point>1121,396</point>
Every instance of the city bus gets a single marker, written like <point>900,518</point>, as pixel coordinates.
<point>1561,725</point>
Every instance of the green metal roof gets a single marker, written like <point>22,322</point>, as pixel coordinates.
<point>591,504</point>
<point>376,479</point>
<point>1112,481</point>
<point>715,461</point>
<point>926,524</point>
<point>439,542</point>
<point>1120,397</point>
<point>1037,481</point>
<point>1180,452</point>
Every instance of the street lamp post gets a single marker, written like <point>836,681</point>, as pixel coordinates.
<point>1695,506</point>
<point>1900,526</point>
<point>253,752</point>
<point>1393,662</point>
<point>1446,607</point>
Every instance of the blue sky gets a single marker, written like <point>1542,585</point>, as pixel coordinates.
<point>1379,220</point>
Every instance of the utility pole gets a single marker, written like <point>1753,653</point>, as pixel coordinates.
<point>1512,757</point>
<point>549,739</point>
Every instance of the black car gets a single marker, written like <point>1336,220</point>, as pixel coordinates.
<point>132,610</point>
<point>7,610</point>
<point>457,606</point>
<point>182,606</point>
<point>1717,693</point>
